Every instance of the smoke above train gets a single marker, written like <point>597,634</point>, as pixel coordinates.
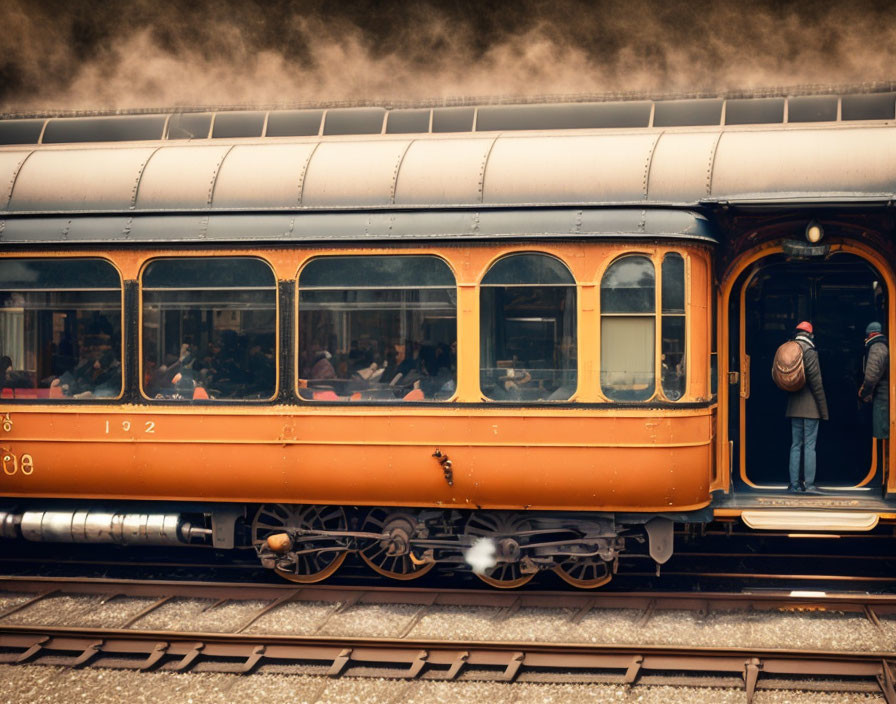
<point>93,55</point>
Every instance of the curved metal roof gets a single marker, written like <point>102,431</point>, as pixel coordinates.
<point>585,170</point>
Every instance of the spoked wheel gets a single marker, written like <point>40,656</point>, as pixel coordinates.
<point>391,557</point>
<point>306,562</point>
<point>504,531</point>
<point>584,572</point>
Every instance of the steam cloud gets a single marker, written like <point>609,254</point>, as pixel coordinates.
<point>57,54</point>
<point>482,555</point>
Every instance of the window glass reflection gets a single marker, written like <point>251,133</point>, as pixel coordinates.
<point>673,283</point>
<point>628,324</point>
<point>673,379</point>
<point>629,286</point>
<point>60,329</point>
<point>528,332</point>
<point>209,332</point>
<point>528,270</point>
<point>377,329</point>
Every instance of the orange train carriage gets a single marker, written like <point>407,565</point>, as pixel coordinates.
<point>538,330</point>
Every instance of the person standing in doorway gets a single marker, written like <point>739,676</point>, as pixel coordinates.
<point>875,386</point>
<point>806,408</point>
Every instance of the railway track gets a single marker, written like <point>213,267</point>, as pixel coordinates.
<point>249,644</point>
<point>500,661</point>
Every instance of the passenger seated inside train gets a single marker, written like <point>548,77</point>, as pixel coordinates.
<point>528,332</point>
<point>427,373</point>
<point>12,380</point>
<point>516,383</point>
<point>386,325</point>
<point>175,378</point>
<point>95,374</point>
<point>509,384</point>
<point>321,367</point>
<point>51,330</point>
<point>209,329</point>
<point>95,377</point>
<point>231,367</point>
<point>60,345</point>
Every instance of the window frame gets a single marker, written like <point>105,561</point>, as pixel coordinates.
<point>296,351</point>
<point>656,258</point>
<point>140,319</point>
<point>657,293</point>
<point>574,284</point>
<point>122,321</point>
<point>686,357</point>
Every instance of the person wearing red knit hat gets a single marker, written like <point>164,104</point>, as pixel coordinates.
<point>805,408</point>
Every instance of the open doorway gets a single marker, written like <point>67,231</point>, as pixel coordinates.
<point>839,296</point>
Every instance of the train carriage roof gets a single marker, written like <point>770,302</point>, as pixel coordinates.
<point>648,181</point>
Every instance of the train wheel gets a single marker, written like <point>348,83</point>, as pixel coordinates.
<point>301,566</point>
<point>506,576</point>
<point>398,564</point>
<point>501,529</point>
<point>584,573</point>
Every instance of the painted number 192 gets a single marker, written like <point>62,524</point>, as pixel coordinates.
<point>149,426</point>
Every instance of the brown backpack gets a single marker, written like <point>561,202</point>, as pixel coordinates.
<point>787,369</point>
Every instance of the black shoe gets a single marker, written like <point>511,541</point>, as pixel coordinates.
<point>793,489</point>
<point>802,486</point>
<point>812,489</point>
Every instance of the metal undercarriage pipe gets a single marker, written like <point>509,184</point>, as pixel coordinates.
<point>85,526</point>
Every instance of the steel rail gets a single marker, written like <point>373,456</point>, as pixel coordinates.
<point>881,604</point>
<point>439,660</point>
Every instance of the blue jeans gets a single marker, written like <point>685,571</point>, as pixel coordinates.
<point>804,432</point>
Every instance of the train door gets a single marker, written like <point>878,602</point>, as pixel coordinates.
<point>840,296</point>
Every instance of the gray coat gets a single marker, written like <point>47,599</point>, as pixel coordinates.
<point>876,384</point>
<point>809,401</point>
<point>876,366</point>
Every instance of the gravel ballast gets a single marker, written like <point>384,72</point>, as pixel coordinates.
<point>36,684</point>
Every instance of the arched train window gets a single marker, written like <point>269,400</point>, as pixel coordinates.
<point>628,329</point>
<point>528,330</point>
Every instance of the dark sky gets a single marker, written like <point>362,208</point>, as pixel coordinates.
<point>93,54</point>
